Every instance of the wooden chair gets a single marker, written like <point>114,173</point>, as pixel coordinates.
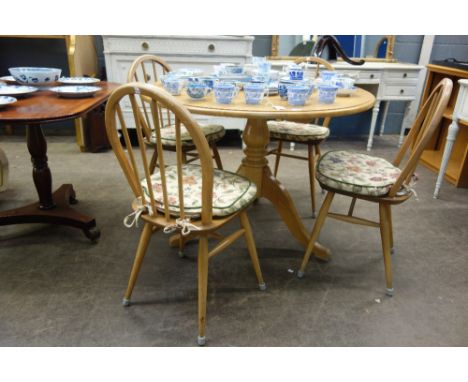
<point>194,200</point>
<point>375,180</point>
<point>310,134</point>
<point>148,69</point>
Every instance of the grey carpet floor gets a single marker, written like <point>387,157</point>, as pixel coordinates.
<point>57,289</point>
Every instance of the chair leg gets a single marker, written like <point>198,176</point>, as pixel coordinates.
<point>154,160</point>
<point>202,287</point>
<point>316,231</point>
<point>216,156</point>
<point>392,248</point>
<point>252,249</point>
<point>310,147</point>
<point>279,149</point>
<point>385,225</point>
<point>140,254</point>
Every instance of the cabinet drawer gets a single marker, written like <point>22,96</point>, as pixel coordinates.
<point>402,74</point>
<point>399,91</point>
<point>369,75</point>
<point>183,45</point>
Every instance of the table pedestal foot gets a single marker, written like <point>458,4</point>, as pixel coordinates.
<point>61,214</point>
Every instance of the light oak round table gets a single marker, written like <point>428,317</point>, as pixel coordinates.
<point>256,137</point>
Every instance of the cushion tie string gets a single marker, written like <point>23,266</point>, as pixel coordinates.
<point>409,188</point>
<point>135,214</point>
<point>183,225</point>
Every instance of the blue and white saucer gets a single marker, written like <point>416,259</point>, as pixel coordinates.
<point>5,100</point>
<point>78,80</point>
<point>75,91</point>
<point>16,90</point>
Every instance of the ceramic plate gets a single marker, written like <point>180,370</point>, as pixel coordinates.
<point>16,90</point>
<point>78,80</point>
<point>345,92</point>
<point>8,79</point>
<point>75,91</point>
<point>5,100</point>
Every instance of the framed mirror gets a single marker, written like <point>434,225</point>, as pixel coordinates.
<point>368,47</point>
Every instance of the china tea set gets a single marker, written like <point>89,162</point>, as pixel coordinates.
<point>257,80</point>
<point>32,79</point>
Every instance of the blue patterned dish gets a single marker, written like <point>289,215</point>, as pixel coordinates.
<point>75,91</point>
<point>35,76</point>
<point>16,90</point>
<point>197,90</point>
<point>328,75</point>
<point>4,100</point>
<point>296,73</point>
<point>78,80</point>
<point>173,85</point>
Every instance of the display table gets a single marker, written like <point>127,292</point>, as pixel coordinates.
<point>53,208</point>
<point>256,138</point>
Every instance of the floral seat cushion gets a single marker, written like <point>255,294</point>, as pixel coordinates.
<point>298,132</point>
<point>231,192</point>
<point>357,173</point>
<point>168,134</point>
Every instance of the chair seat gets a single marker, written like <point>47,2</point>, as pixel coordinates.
<point>168,135</point>
<point>231,192</point>
<point>357,173</point>
<point>297,132</point>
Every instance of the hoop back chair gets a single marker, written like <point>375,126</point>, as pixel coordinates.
<point>375,180</point>
<point>191,199</point>
<point>310,134</point>
<point>149,69</point>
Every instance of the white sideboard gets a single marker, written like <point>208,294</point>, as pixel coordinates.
<point>180,52</point>
<point>387,81</point>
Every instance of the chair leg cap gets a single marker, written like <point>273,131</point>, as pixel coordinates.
<point>390,292</point>
<point>300,274</point>
<point>262,286</point>
<point>201,341</point>
<point>126,302</point>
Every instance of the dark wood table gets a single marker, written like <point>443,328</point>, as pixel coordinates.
<point>33,111</point>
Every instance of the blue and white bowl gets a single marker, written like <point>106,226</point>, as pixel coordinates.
<point>197,90</point>
<point>298,95</point>
<point>254,93</point>
<point>208,81</point>
<point>327,93</point>
<point>173,85</point>
<point>35,76</point>
<point>231,69</point>
<point>225,92</point>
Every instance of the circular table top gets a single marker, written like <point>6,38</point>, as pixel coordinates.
<point>45,106</point>
<point>360,101</point>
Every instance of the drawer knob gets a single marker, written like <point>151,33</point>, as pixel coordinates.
<point>144,45</point>
<point>371,76</point>
<point>405,75</point>
<point>211,48</point>
<point>402,91</point>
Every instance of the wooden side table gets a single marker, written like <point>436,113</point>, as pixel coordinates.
<point>459,117</point>
<point>52,208</point>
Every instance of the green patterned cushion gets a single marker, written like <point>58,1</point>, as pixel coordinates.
<point>357,173</point>
<point>168,134</point>
<point>231,192</point>
<point>298,132</point>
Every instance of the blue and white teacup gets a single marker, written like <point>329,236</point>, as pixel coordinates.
<point>328,75</point>
<point>208,81</point>
<point>173,85</point>
<point>298,94</point>
<point>224,92</point>
<point>327,93</point>
<point>296,72</point>
<point>254,93</point>
<point>345,82</point>
<point>197,90</point>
